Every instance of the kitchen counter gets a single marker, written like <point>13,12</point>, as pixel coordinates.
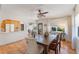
<point>9,37</point>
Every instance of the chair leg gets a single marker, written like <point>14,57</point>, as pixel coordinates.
<point>56,51</point>
<point>59,46</point>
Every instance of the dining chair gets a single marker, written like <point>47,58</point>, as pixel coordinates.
<point>59,41</point>
<point>54,45</point>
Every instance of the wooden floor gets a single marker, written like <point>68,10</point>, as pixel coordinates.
<point>21,47</point>
<point>18,47</point>
<point>66,48</point>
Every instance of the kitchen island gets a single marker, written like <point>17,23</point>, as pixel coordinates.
<point>9,37</point>
<point>13,42</point>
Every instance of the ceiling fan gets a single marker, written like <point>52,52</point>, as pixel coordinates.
<point>41,14</point>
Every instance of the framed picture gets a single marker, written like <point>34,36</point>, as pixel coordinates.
<point>22,27</point>
<point>40,28</point>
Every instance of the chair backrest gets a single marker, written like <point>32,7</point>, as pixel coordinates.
<point>52,42</point>
<point>57,38</point>
<point>61,36</point>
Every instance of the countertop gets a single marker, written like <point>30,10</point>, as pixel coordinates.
<point>9,37</point>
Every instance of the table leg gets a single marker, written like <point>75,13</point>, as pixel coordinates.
<point>45,47</point>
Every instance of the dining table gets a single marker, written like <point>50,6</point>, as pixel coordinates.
<point>40,39</point>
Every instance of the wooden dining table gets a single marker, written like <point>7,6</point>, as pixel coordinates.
<point>45,42</point>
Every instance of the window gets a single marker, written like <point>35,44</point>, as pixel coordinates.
<point>77,25</point>
<point>9,28</point>
<point>53,28</point>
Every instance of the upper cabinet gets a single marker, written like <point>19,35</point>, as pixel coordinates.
<point>9,25</point>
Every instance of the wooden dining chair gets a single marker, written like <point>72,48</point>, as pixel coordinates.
<point>54,45</point>
<point>59,41</point>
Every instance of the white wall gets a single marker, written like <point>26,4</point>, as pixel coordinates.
<point>73,31</point>
<point>76,27</point>
<point>75,24</point>
<point>69,22</point>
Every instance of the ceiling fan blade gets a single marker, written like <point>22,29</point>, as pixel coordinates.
<point>41,15</point>
<point>44,13</point>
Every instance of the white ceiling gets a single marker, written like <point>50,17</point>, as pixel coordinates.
<point>30,10</point>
